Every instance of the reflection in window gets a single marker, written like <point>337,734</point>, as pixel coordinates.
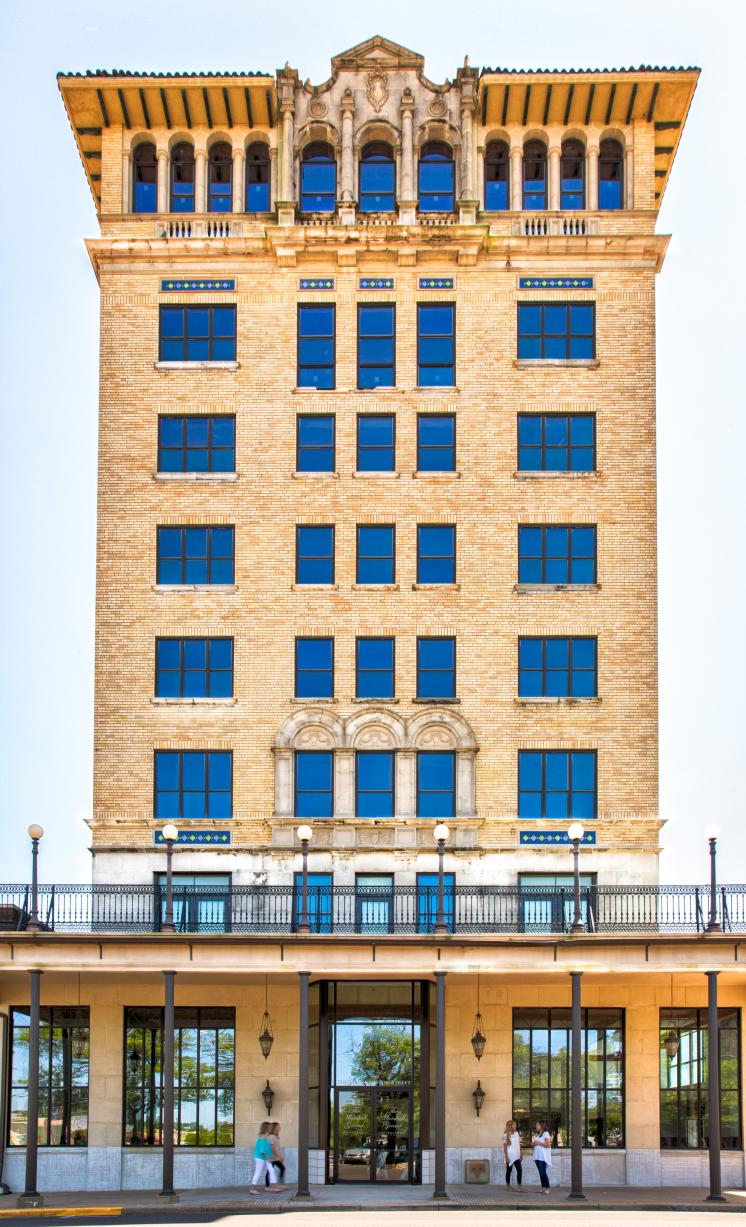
<point>541,1075</point>
<point>182,178</point>
<point>193,784</point>
<point>436,784</point>
<point>427,901</point>
<point>319,902</point>
<point>611,175</point>
<point>374,668</point>
<point>374,784</point>
<point>318,179</point>
<point>496,177</point>
<point>63,1076</point>
<point>314,784</point>
<point>436,178</point>
<point>315,443</point>
<point>557,783</point>
<point>201,902</point>
<point>257,178</point>
<point>204,1076</point>
<point>684,1076</point>
<point>436,345</point>
<point>572,175</point>
<point>547,902</point>
<point>144,179</point>
<point>556,442</point>
<point>556,331</point>
<point>534,175</point>
<point>220,178</point>
<point>374,913</point>
<point>377,178</point>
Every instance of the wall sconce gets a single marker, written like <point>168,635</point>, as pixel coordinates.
<point>266,1038</point>
<point>478,1037</point>
<point>478,1095</point>
<point>671,1043</point>
<point>268,1096</point>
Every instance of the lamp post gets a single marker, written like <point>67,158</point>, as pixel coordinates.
<point>305,834</point>
<point>441,834</point>
<point>170,834</point>
<point>576,833</point>
<point>35,834</point>
<point>712,834</point>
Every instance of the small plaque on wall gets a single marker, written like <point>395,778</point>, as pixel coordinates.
<point>476,1171</point>
<point>196,838</point>
<point>548,839</point>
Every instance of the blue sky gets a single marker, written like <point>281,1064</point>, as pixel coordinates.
<point>48,348</point>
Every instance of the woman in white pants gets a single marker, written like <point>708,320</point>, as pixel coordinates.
<point>263,1165</point>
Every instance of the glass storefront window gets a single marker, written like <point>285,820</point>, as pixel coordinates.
<point>683,1079</point>
<point>63,1076</point>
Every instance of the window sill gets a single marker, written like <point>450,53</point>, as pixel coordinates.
<point>387,474</point>
<point>375,702</point>
<point>555,700</point>
<point>221,588</point>
<point>197,366</point>
<point>315,476</point>
<point>436,587</point>
<point>556,588</point>
<point>530,363</point>
<point>437,474</point>
<point>314,587</point>
<point>447,388</point>
<point>180,701</point>
<point>209,477</point>
<point>556,474</point>
<point>374,587</point>
<point>315,702</point>
<point>432,702</point>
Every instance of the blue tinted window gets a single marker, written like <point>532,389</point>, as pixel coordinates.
<point>374,784</point>
<point>314,784</point>
<point>436,178</point>
<point>611,175</point>
<point>534,175</point>
<point>318,179</point>
<point>376,345</point>
<point>557,667</point>
<point>182,178</point>
<point>376,434</point>
<point>557,784</point>
<point>436,784</point>
<point>257,178</point>
<point>375,554</point>
<point>374,668</point>
<point>314,554</point>
<point>193,784</point>
<point>496,177</point>
<point>319,901</point>
<point>572,175</point>
<point>436,442</point>
<point>196,444</point>
<point>436,668</point>
<point>316,346</point>
<point>556,331</point>
<point>427,901</point>
<point>436,345</point>
<point>220,178</point>
<point>194,668</point>
<point>436,554</point>
<point>144,179</point>
<point>316,443</point>
<point>377,179</point>
<point>557,442</point>
<point>197,334</point>
<point>195,555</point>
<point>557,554</point>
<point>314,668</point>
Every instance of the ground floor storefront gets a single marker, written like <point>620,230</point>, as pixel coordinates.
<point>393,1061</point>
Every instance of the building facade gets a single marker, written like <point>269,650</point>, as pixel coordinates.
<point>376,551</point>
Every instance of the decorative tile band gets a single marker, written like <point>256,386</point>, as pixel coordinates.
<point>555,283</point>
<point>553,837</point>
<point>316,283</point>
<point>196,837</point>
<point>198,284</point>
<point>436,283</point>
<point>376,283</point>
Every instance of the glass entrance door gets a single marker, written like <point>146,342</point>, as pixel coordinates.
<point>372,1134</point>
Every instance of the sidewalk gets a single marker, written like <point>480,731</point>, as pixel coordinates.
<point>367,1198</point>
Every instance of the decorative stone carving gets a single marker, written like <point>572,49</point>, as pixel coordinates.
<point>376,738</point>
<point>439,738</point>
<point>315,738</point>
<point>318,108</point>
<point>375,837</point>
<point>377,89</point>
<point>438,108</point>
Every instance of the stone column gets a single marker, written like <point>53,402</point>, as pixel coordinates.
<point>347,193</point>
<point>126,201</point>
<point>406,783</point>
<point>629,177</point>
<point>283,783</point>
<point>239,162</point>
<point>200,181</point>
<point>480,176</point>
<point>591,199</point>
<point>344,783</point>
<point>516,178</point>
<point>468,202</point>
<point>465,800</point>
<point>162,189</point>
<point>553,176</point>
<point>407,191</point>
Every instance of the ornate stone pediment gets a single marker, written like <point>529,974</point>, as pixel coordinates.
<point>378,51</point>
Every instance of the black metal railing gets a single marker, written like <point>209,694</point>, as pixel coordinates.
<point>374,910</point>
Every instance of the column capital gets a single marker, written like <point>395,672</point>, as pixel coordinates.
<point>406,105</point>
<point>347,103</point>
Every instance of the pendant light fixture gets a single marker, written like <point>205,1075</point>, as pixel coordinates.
<point>478,1037</point>
<point>266,1038</point>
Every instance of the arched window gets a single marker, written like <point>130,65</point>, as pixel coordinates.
<point>377,178</point>
<point>318,179</point>
<point>220,179</point>
<point>496,176</point>
<point>572,175</point>
<point>611,175</point>
<point>534,175</point>
<point>182,178</point>
<point>436,178</point>
<point>257,178</point>
<point>144,178</point>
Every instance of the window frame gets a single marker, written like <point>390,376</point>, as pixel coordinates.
<point>320,901</point>
<point>419,791</point>
<point>184,558</point>
<point>379,308</point>
<point>358,670</point>
<point>379,158</point>
<point>205,792</point>
<point>48,1025</point>
<point>362,448</point>
<point>567,155</point>
<point>211,448</point>
<point>605,159</point>
<point>544,792</point>
<point>546,449</point>
<point>543,160</point>
<point>491,177</point>
<point>380,754</point>
<point>424,336</point>
<point>543,670</point>
<point>215,198</point>
<point>332,337</point>
<point>306,159</point>
<point>265,162</point>
<point>174,198</point>
<point>299,558</point>
<point>427,900</point>
<point>421,557</point>
<point>298,672</point>
<point>570,556</point>
<point>420,669</point>
<point>300,447</point>
<point>137,164</point>
<point>433,156</point>
<point>185,338</point>
<point>330,792</point>
<point>208,671</point>
<point>567,336</point>
<point>361,559</point>
<point>422,418</point>
<point>700,1087</point>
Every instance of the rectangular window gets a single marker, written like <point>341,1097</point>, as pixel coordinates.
<point>316,346</point>
<point>436,784</point>
<point>314,668</point>
<point>376,345</point>
<point>557,331</point>
<point>427,901</point>
<point>204,1076</point>
<point>557,783</point>
<point>684,1059</point>
<point>314,554</point>
<point>201,901</point>
<point>193,668</point>
<point>436,442</point>
<point>436,667</point>
<point>436,345</point>
<point>316,443</point>
<point>376,554</point>
<point>541,1075</point>
<point>436,553</point>
<point>374,668</point>
<point>314,784</point>
<point>546,901</point>
<point>196,444</point>
<point>374,903</point>
<point>557,554</point>
<point>319,901</point>
<point>557,668</point>
<point>193,784</point>
<point>376,443</point>
<point>374,784</point>
<point>194,554</point>
<point>203,333</point>
<point>556,442</point>
<point>63,1075</point>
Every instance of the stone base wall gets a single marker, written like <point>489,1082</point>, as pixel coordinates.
<point>642,1168</point>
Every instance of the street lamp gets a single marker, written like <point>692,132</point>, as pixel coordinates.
<point>440,835</point>
<point>712,834</point>
<point>576,833</point>
<point>170,834</point>
<point>35,833</point>
<point>305,834</point>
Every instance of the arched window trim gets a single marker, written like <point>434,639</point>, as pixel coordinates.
<point>318,192</point>
<point>220,178</point>
<point>144,191</point>
<point>438,195</point>
<point>572,174</point>
<point>380,153</point>
<point>497,187</point>
<point>535,198</point>
<point>182,201</point>
<point>258,189</point>
<point>606,158</point>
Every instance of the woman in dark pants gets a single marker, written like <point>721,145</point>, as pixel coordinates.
<point>512,1153</point>
<point>542,1154</point>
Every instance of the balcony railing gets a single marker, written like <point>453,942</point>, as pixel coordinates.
<point>373,910</point>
